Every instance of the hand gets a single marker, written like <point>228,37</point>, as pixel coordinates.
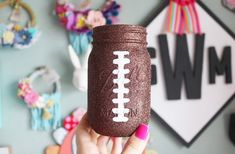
<point>89,142</point>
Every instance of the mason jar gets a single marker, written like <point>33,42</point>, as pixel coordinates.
<point>119,80</point>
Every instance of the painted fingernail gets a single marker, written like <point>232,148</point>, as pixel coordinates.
<point>142,131</point>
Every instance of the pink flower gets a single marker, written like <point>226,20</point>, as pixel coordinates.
<point>23,86</point>
<point>20,85</point>
<point>31,98</point>
<point>60,9</point>
<point>95,18</point>
<point>71,19</point>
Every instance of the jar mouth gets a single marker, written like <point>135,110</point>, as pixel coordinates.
<point>120,27</point>
<point>120,33</point>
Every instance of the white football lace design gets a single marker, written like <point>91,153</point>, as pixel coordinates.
<point>121,61</point>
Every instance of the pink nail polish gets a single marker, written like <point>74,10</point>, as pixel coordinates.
<point>142,131</point>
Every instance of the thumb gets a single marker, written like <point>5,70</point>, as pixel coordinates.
<point>138,141</point>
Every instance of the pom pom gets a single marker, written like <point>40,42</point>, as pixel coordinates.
<point>70,122</point>
<point>109,22</point>
<point>115,13</point>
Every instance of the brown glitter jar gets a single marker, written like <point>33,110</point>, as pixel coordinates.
<point>119,80</point>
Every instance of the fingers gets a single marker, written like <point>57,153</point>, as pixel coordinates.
<point>94,136</point>
<point>84,125</point>
<point>82,134</point>
<point>117,145</point>
<point>102,144</point>
<point>138,141</point>
<point>84,131</point>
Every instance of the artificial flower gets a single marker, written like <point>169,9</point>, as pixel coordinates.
<point>70,20</point>
<point>46,115</point>
<point>49,104</point>
<point>33,31</point>
<point>80,22</point>
<point>95,18</point>
<point>8,38</point>
<point>112,13</point>
<point>23,37</point>
<point>24,88</point>
<point>61,15</point>
<point>31,98</point>
<point>63,19</point>
<point>40,102</point>
<point>20,93</point>
<point>17,28</point>
<point>24,85</point>
<point>60,9</point>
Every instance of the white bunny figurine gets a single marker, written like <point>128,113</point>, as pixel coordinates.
<point>80,71</point>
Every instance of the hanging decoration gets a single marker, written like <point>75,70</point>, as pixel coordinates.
<point>12,33</point>
<point>192,62</point>
<point>45,108</point>
<point>80,21</point>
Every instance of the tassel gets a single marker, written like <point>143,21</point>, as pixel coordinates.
<point>80,42</point>
<point>35,119</point>
<point>56,122</point>
<point>183,17</point>
<point>48,117</point>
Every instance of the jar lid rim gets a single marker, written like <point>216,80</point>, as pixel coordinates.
<point>116,27</point>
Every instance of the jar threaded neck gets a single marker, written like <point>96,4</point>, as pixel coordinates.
<point>119,34</point>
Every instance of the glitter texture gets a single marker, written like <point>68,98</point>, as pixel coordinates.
<point>100,79</point>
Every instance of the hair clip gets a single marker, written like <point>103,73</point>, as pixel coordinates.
<point>45,108</point>
<point>13,34</point>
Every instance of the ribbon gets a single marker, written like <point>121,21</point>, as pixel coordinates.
<point>183,17</point>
